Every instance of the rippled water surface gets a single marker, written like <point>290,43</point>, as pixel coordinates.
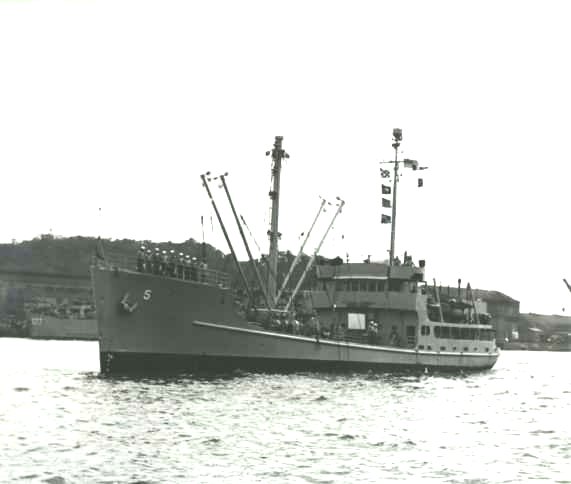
<point>61,422</point>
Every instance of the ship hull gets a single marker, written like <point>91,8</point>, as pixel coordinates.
<point>150,323</point>
<point>150,363</point>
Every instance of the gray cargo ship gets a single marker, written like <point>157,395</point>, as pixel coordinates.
<point>358,315</point>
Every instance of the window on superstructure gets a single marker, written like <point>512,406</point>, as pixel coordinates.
<point>354,285</point>
<point>394,285</point>
<point>340,285</point>
<point>372,285</point>
<point>437,331</point>
<point>425,330</point>
<point>412,286</point>
<point>380,286</point>
<point>486,335</point>
<point>363,286</point>
<point>455,333</point>
<point>445,332</point>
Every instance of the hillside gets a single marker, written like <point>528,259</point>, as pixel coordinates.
<point>73,255</point>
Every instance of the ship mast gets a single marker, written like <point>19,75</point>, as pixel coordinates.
<point>413,164</point>
<point>397,138</point>
<point>277,155</point>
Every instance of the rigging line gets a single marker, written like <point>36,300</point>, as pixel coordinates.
<point>251,235</point>
<point>202,225</point>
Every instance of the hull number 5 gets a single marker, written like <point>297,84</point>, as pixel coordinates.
<point>147,295</point>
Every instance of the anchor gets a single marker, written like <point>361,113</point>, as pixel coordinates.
<point>125,304</point>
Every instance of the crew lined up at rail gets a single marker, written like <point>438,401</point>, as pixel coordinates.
<point>171,264</point>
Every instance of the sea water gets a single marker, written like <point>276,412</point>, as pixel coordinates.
<point>62,422</point>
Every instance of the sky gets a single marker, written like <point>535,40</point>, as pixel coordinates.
<point>111,110</point>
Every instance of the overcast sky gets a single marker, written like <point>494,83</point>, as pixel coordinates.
<point>110,111</point>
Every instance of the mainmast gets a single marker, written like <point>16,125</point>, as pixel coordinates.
<point>397,138</point>
<point>277,155</point>
<point>413,164</point>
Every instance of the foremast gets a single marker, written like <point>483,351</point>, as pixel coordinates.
<point>278,154</point>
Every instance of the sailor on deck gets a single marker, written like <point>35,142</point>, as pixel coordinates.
<point>172,262</point>
<point>164,262</point>
<point>394,338</point>
<point>315,326</point>
<point>194,269</point>
<point>148,260</point>
<point>187,264</point>
<point>372,332</point>
<point>141,259</point>
<point>180,266</point>
<point>156,261</point>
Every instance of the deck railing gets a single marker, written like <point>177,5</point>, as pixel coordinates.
<point>196,272</point>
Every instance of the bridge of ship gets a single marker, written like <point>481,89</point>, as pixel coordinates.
<point>367,285</point>
<point>350,297</point>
